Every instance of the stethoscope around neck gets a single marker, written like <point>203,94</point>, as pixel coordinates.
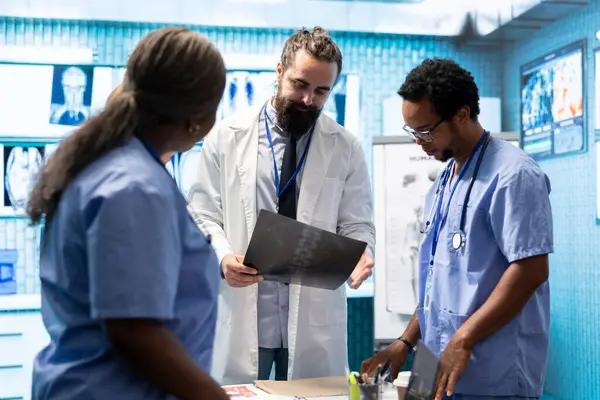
<point>459,238</point>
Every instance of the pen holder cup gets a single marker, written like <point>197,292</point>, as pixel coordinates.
<point>368,391</point>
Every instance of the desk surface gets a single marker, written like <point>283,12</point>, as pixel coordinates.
<point>237,390</point>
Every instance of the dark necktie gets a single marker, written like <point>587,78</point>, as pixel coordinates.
<point>287,201</point>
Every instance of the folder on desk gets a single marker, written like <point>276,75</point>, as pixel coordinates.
<point>306,388</point>
<point>284,250</point>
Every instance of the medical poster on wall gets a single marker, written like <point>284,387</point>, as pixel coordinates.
<point>409,173</point>
<point>597,143</point>
<point>597,88</point>
<point>597,134</point>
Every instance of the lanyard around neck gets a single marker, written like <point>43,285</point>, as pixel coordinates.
<point>300,164</point>
<point>439,219</point>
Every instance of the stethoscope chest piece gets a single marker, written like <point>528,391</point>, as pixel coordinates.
<point>458,240</point>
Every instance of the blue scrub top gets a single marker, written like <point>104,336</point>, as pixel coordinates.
<point>121,245</point>
<point>508,219</point>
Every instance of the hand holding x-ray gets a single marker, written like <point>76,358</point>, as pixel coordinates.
<point>362,271</point>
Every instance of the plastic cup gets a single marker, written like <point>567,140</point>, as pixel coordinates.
<point>401,383</point>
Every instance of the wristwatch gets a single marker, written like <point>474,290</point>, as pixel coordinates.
<point>411,348</point>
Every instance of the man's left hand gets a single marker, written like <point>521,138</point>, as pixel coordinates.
<point>362,271</point>
<point>453,362</point>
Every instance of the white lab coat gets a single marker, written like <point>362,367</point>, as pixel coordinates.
<point>335,194</point>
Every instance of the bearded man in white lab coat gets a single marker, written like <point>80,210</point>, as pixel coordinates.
<point>300,331</point>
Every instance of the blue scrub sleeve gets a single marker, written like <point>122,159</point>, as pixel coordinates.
<point>520,213</point>
<point>134,255</point>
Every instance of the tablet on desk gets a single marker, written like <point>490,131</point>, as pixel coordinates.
<point>423,377</point>
<point>284,250</point>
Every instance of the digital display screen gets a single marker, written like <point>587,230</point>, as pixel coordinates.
<point>50,100</point>
<point>552,104</point>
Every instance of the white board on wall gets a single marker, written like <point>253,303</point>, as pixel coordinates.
<point>394,280</point>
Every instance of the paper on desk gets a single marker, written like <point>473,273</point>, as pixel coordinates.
<point>241,391</point>
<point>315,387</point>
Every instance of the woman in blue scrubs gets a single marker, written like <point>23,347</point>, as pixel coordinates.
<point>129,283</point>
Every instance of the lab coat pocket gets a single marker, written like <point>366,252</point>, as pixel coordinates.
<point>328,203</point>
<point>327,307</point>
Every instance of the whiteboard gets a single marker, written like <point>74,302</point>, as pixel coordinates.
<point>398,220</point>
<point>387,325</point>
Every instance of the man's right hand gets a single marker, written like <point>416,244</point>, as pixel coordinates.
<point>237,274</point>
<point>397,352</point>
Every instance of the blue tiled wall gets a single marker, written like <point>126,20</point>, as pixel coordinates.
<point>574,365</point>
<point>382,62</point>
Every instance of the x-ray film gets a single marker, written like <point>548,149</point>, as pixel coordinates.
<point>244,89</point>
<point>21,167</point>
<point>188,166</point>
<point>71,94</point>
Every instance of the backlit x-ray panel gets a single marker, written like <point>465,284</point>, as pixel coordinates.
<point>21,165</point>
<point>49,100</point>
<point>343,105</point>
<point>188,167</point>
<point>244,89</point>
<point>49,149</point>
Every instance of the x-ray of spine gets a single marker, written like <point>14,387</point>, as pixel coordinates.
<point>21,165</point>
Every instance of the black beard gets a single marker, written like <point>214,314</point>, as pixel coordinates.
<point>295,118</point>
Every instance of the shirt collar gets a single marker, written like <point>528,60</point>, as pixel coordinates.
<point>151,150</point>
<point>272,116</point>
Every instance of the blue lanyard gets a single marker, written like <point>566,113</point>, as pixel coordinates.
<point>440,220</point>
<point>300,164</point>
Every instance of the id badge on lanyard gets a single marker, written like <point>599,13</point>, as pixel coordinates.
<point>440,219</point>
<point>428,283</point>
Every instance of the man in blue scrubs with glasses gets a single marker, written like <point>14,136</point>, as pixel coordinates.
<point>484,299</point>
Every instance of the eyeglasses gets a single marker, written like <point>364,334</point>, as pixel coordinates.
<point>424,135</point>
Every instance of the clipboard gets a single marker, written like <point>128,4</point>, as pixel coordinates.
<point>284,250</point>
<point>423,377</point>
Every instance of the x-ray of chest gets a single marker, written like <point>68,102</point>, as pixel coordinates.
<point>244,89</point>
<point>21,167</point>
